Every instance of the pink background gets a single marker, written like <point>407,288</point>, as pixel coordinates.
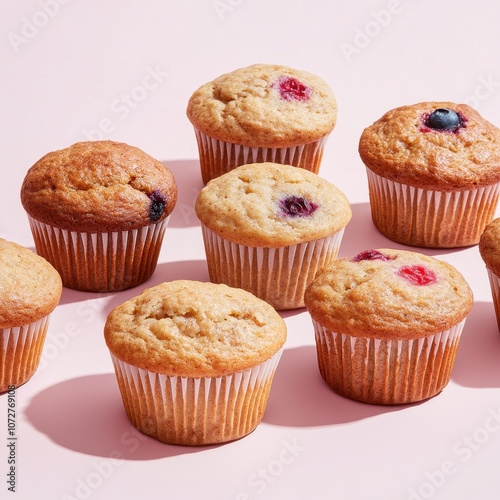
<point>74,70</point>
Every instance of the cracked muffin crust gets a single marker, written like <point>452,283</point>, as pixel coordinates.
<point>268,228</point>
<point>404,146</point>
<point>388,324</point>
<point>433,171</point>
<point>98,211</point>
<point>271,205</point>
<point>194,329</point>
<point>264,105</point>
<point>489,245</point>
<point>389,294</point>
<point>98,186</point>
<point>30,288</point>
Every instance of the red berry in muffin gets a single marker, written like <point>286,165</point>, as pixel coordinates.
<point>292,89</point>
<point>296,206</point>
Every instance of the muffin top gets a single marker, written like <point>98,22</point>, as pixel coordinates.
<point>389,294</point>
<point>264,105</point>
<point>30,288</point>
<point>439,146</point>
<point>98,186</point>
<point>272,205</point>
<point>194,329</point>
<point>489,246</point>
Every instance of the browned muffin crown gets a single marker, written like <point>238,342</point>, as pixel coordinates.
<point>194,329</point>
<point>389,294</point>
<point>98,186</point>
<point>264,105</point>
<point>489,246</point>
<point>402,147</point>
<point>30,288</point>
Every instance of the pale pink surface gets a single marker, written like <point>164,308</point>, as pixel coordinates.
<point>119,70</point>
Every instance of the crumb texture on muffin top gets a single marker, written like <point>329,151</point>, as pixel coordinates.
<point>264,105</point>
<point>30,288</point>
<point>271,205</point>
<point>194,329</point>
<point>98,186</point>
<point>489,245</point>
<point>389,294</point>
<point>404,147</point>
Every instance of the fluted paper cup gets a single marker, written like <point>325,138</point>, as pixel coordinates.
<point>195,411</point>
<point>433,219</point>
<point>100,262</point>
<point>386,372</point>
<point>20,352</point>
<point>277,275</point>
<point>218,157</point>
<point>495,293</point>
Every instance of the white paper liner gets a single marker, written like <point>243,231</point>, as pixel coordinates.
<point>426,218</point>
<point>20,352</point>
<point>277,275</point>
<point>386,371</point>
<point>195,411</point>
<point>218,157</point>
<point>495,293</point>
<point>100,262</point>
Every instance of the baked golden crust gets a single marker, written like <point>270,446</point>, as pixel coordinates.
<point>371,299</point>
<point>30,288</point>
<point>194,329</point>
<point>399,147</point>
<point>489,245</point>
<point>244,107</point>
<point>243,205</point>
<point>98,186</point>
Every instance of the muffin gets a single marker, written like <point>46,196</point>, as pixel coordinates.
<point>489,246</point>
<point>387,324</point>
<point>268,228</point>
<point>98,212</point>
<point>30,289</point>
<point>433,174</point>
<point>195,361</point>
<point>262,113</point>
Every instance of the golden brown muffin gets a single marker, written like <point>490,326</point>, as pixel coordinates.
<point>30,290</point>
<point>194,329</point>
<point>400,295</point>
<point>402,147</point>
<point>98,186</point>
<point>98,212</point>
<point>489,245</point>
<point>195,361</point>
<point>268,229</point>
<point>264,105</point>
<point>272,205</point>
<point>387,324</point>
<point>262,113</point>
<point>433,173</point>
